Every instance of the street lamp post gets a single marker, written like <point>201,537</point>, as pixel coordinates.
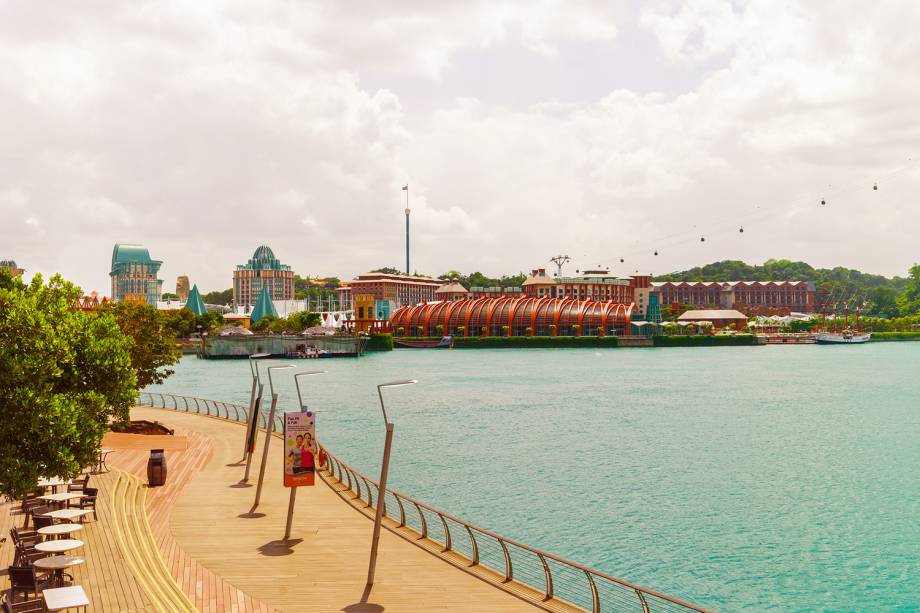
<point>268,432</point>
<point>255,404</point>
<point>303,407</point>
<point>384,469</point>
<point>406,189</point>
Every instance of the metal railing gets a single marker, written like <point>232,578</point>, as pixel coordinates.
<point>550,576</point>
<point>202,406</point>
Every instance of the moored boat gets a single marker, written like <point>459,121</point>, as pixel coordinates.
<point>846,337</point>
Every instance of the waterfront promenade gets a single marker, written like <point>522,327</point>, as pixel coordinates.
<point>193,545</point>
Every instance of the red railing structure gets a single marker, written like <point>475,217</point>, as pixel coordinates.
<point>552,577</point>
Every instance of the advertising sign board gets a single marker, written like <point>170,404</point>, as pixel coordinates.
<point>300,449</point>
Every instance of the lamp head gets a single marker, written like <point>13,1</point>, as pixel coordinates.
<point>391,384</point>
<point>306,373</point>
<point>399,383</point>
<point>276,367</point>
<point>253,367</point>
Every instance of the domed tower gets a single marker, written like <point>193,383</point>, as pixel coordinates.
<point>262,270</point>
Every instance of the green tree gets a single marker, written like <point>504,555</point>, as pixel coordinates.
<point>169,296</point>
<point>222,297</point>
<point>388,270</point>
<point>64,374</point>
<point>154,347</point>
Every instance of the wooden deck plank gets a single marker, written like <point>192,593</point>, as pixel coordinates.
<point>326,570</point>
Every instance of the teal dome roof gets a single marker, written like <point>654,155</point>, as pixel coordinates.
<point>264,252</point>
<point>124,253</point>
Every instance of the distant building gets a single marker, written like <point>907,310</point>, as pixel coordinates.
<point>750,297</point>
<point>451,291</point>
<point>10,265</point>
<point>182,288</point>
<point>134,275</point>
<point>401,290</point>
<point>719,318</point>
<point>194,302</point>
<point>262,270</point>
<point>264,306</point>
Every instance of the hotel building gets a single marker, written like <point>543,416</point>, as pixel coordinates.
<point>401,290</point>
<point>10,265</point>
<point>134,275</point>
<point>263,269</point>
<point>749,297</point>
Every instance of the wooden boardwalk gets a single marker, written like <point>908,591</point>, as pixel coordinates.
<point>193,545</point>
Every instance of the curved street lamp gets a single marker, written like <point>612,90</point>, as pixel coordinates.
<point>255,401</point>
<point>268,431</point>
<point>384,469</point>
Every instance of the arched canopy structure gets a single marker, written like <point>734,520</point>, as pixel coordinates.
<point>519,316</point>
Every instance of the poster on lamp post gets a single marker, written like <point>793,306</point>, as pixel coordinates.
<point>300,449</point>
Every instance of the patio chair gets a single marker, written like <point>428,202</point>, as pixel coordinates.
<point>25,580</point>
<point>79,485</point>
<point>26,554</point>
<point>25,606</point>
<point>88,501</point>
<point>34,510</point>
<point>42,521</point>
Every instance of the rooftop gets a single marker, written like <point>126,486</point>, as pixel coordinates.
<point>703,314</point>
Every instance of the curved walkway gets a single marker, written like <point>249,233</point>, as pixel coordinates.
<point>324,566</point>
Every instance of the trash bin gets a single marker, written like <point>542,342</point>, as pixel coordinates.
<point>156,468</point>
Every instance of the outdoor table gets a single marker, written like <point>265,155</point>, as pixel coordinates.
<point>100,462</point>
<point>60,546</point>
<point>61,598</point>
<point>57,564</point>
<point>60,498</point>
<point>53,483</point>
<point>59,529</point>
<point>68,514</point>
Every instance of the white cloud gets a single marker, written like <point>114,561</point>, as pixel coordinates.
<point>204,129</point>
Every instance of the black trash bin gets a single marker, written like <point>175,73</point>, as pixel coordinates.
<point>156,468</point>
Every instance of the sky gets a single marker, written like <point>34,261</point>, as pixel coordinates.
<point>604,130</point>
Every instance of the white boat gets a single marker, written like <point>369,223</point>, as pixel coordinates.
<point>847,337</point>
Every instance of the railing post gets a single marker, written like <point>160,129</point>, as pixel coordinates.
<point>447,541</point>
<point>549,577</point>
<point>641,596</point>
<point>197,406</point>
<point>422,519</point>
<point>595,598</point>
<point>347,476</point>
<point>175,402</point>
<point>185,400</point>
<point>473,544</point>
<point>509,570</point>
<point>402,511</point>
<point>370,496</point>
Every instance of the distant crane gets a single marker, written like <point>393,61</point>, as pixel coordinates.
<point>559,260</point>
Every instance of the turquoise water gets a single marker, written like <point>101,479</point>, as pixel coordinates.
<point>767,478</point>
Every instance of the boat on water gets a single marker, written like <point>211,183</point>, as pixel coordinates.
<point>846,337</point>
<point>446,342</point>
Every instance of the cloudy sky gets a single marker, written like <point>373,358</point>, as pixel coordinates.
<point>602,130</point>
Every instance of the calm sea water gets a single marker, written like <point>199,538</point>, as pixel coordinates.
<point>768,478</point>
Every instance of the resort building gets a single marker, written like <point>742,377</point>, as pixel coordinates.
<point>719,318</point>
<point>10,265</point>
<point>401,290</point>
<point>523,316</point>
<point>134,275</point>
<point>451,291</point>
<point>262,270</point>
<point>745,296</point>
